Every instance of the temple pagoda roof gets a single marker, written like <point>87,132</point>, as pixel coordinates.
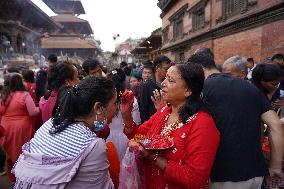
<point>44,16</point>
<point>65,6</point>
<point>26,12</point>
<point>67,42</point>
<point>73,21</point>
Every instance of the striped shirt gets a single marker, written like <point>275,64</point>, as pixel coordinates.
<point>68,143</point>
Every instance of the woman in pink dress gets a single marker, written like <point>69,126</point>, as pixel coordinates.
<point>16,107</point>
<point>59,75</point>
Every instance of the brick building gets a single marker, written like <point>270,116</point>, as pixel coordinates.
<point>123,50</point>
<point>250,28</point>
<point>149,48</point>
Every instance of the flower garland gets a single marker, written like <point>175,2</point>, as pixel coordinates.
<point>169,128</point>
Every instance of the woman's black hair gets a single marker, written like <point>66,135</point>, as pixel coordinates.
<point>79,100</point>
<point>12,83</point>
<point>28,76</point>
<point>41,82</point>
<point>59,73</point>
<point>193,76</point>
<point>265,72</point>
<point>117,77</point>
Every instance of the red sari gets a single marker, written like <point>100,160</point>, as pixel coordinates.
<point>17,124</point>
<point>37,120</point>
<point>190,160</point>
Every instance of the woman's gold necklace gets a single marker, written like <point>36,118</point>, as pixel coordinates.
<point>168,128</point>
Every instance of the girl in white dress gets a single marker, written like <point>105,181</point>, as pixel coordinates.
<point>117,136</point>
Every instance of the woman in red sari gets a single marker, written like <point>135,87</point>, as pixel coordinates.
<point>188,163</point>
<point>16,107</point>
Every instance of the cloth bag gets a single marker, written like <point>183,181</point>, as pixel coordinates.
<point>129,176</point>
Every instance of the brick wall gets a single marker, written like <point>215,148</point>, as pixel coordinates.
<point>175,8</point>
<point>247,44</point>
<point>258,43</point>
<point>207,44</point>
<point>217,11</point>
<point>272,39</point>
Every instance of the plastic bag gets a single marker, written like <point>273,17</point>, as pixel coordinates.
<point>129,176</point>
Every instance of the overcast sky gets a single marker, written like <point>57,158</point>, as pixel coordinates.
<point>129,18</point>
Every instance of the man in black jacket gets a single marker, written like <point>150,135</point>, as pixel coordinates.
<point>147,108</point>
<point>239,108</point>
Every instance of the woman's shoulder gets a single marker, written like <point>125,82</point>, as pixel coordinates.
<point>202,119</point>
<point>204,115</point>
<point>20,95</point>
<point>96,150</point>
<point>70,141</point>
<point>205,121</point>
<point>79,132</point>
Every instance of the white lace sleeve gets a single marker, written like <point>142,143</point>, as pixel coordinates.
<point>136,112</point>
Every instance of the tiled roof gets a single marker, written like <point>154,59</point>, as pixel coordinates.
<point>58,6</point>
<point>56,42</point>
<point>67,18</point>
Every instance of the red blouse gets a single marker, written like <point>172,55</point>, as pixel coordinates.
<point>190,160</point>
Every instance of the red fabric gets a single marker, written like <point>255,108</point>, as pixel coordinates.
<point>37,121</point>
<point>17,124</point>
<point>10,166</point>
<point>48,107</point>
<point>2,133</point>
<point>190,160</point>
<point>265,144</point>
<point>114,166</point>
<point>31,88</point>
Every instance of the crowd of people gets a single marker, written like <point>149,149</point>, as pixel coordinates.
<point>69,126</point>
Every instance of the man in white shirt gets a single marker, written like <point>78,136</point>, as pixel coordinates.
<point>250,66</point>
